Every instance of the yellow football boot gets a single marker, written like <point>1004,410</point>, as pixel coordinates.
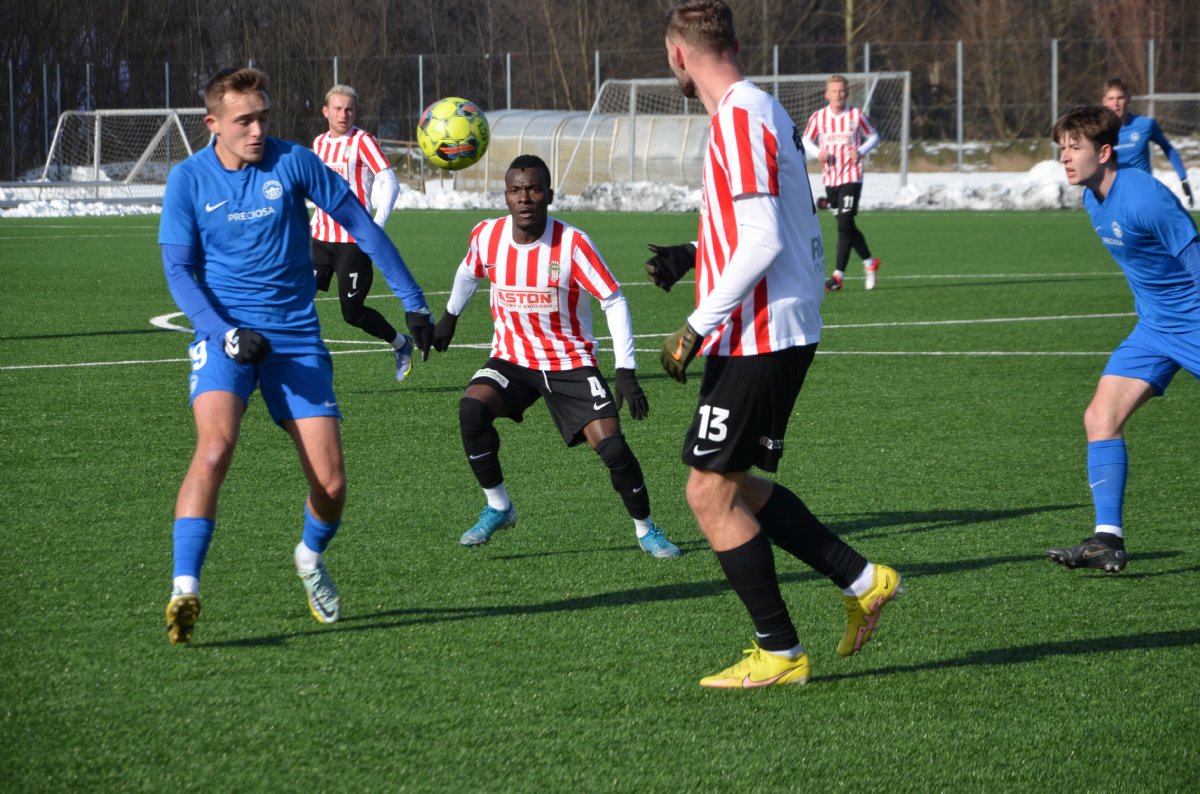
<point>862,612</point>
<point>182,612</point>
<point>761,668</point>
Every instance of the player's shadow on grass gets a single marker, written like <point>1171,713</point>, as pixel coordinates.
<point>128,332</point>
<point>857,524</point>
<point>392,619</point>
<point>1022,654</point>
<point>916,521</point>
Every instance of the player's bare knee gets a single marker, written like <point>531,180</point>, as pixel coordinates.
<point>213,458</point>
<point>1101,422</point>
<point>329,490</point>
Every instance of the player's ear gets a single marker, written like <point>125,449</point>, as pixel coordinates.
<point>549,196</point>
<point>1105,153</point>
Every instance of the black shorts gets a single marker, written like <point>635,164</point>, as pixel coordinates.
<point>743,411</point>
<point>574,397</point>
<point>352,266</point>
<point>843,199</point>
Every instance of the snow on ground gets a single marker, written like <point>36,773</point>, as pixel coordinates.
<point>1042,187</point>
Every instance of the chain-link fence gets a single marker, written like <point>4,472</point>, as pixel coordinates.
<point>1004,92</point>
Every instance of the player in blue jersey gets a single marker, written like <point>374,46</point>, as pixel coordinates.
<point>234,236</point>
<point>1137,133</point>
<point>1154,240</point>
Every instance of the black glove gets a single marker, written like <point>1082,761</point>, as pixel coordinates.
<point>669,263</point>
<point>443,332</point>
<point>629,390</point>
<point>323,275</point>
<point>678,351</point>
<point>1187,191</point>
<point>420,326</point>
<point>245,346</point>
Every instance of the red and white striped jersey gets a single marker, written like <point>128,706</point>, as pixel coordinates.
<point>539,293</point>
<point>356,156</point>
<point>753,148</point>
<point>839,136</point>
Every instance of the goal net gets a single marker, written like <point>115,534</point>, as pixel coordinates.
<point>646,130</point>
<point>121,154</point>
<point>1177,114</point>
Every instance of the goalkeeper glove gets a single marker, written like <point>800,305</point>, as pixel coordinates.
<point>629,390</point>
<point>1187,191</point>
<point>420,326</point>
<point>678,351</point>
<point>669,263</point>
<point>443,332</point>
<point>245,346</point>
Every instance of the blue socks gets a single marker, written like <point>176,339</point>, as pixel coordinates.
<point>192,536</point>
<point>1107,468</point>
<point>317,533</point>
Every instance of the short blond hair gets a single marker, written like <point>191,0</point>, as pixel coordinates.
<point>344,90</point>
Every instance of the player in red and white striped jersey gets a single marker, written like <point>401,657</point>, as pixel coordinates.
<point>356,156</point>
<point>839,137</point>
<point>543,274</point>
<point>760,263</point>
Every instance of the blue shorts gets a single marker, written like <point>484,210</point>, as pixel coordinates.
<point>296,383</point>
<point>1155,356</point>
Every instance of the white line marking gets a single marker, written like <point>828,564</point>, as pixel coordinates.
<point>166,322</point>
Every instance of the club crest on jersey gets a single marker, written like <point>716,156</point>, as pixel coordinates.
<point>1117,234</point>
<point>525,300</point>
<point>1135,137</point>
<point>272,189</point>
<point>554,271</point>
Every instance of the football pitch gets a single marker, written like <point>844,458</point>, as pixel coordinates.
<point>940,432</point>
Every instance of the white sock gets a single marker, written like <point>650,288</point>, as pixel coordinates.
<point>863,583</point>
<point>185,584</point>
<point>791,653</point>
<point>868,262</point>
<point>498,497</point>
<point>306,558</point>
<point>642,526</point>
<point>1110,529</point>
<point>840,273</point>
<point>398,342</point>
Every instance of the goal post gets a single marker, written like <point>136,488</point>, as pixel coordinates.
<point>116,151</point>
<point>646,130</point>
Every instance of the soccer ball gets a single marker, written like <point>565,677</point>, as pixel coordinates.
<point>453,133</point>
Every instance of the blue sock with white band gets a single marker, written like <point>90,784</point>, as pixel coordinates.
<point>1108,466</point>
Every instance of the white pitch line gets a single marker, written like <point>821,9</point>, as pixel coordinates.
<point>986,320</point>
<point>166,322</point>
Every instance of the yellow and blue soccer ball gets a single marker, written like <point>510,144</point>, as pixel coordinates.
<point>453,133</point>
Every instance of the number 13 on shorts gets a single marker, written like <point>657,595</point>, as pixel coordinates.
<point>712,423</point>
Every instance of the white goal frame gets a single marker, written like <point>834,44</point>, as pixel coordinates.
<point>609,136</point>
<point>83,152</point>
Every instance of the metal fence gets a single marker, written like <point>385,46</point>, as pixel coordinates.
<point>962,91</point>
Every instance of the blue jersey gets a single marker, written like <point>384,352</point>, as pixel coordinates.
<point>249,229</point>
<point>1145,228</point>
<point>1133,145</point>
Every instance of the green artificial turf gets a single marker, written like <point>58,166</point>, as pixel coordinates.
<point>940,431</point>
